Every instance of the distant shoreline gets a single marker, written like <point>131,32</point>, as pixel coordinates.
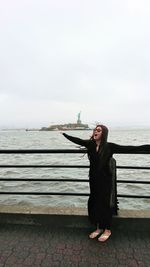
<point>89,129</point>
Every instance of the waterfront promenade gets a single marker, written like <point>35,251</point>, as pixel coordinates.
<point>57,240</point>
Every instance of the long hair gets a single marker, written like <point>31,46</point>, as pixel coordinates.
<point>104,134</point>
<point>103,152</point>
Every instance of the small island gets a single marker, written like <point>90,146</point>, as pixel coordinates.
<point>68,126</point>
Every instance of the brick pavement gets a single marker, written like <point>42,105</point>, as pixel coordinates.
<point>47,246</point>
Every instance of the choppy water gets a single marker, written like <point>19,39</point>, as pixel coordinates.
<point>55,140</point>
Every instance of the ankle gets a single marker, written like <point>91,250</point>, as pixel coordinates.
<point>107,231</point>
<point>97,230</point>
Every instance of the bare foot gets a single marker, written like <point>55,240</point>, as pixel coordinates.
<point>95,233</point>
<point>105,235</point>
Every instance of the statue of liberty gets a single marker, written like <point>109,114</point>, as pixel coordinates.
<point>79,120</point>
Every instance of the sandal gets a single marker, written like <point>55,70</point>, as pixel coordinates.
<point>95,233</point>
<point>104,236</point>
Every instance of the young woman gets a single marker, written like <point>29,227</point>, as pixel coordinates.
<point>100,178</point>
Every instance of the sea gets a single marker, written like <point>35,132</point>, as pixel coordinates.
<point>22,139</point>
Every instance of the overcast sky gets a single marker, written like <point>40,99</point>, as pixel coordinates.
<point>60,57</point>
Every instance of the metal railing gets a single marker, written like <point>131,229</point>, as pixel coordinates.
<point>62,151</point>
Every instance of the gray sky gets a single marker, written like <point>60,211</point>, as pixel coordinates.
<point>60,57</point>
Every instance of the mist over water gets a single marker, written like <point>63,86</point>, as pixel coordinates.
<point>55,140</point>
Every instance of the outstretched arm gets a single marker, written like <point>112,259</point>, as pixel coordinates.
<point>144,149</point>
<point>77,140</point>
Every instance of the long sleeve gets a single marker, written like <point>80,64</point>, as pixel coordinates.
<point>115,148</point>
<point>77,140</point>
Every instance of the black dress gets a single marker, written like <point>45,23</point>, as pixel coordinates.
<point>100,178</point>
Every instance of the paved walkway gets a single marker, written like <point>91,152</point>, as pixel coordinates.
<point>45,246</point>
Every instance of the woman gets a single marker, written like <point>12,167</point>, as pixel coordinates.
<point>100,178</point>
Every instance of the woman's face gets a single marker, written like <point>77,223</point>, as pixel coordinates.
<point>97,133</point>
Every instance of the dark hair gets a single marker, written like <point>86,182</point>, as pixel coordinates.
<point>103,152</point>
<point>104,133</point>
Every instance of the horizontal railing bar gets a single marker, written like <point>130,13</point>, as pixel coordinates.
<point>54,151</point>
<point>133,182</point>
<point>132,196</point>
<point>41,151</point>
<point>44,193</point>
<point>42,166</point>
<point>43,180</point>
<point>133,167</point>
<point>65,194</point>
<point>66,180</point>
<point>67,166</point>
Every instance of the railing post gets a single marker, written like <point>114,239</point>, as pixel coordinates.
<point>113,196</point>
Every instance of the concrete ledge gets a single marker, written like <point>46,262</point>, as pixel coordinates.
<point>47,210</point>
<point>134,214</point>
<point>70,217</point>
<point>42,210</point>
